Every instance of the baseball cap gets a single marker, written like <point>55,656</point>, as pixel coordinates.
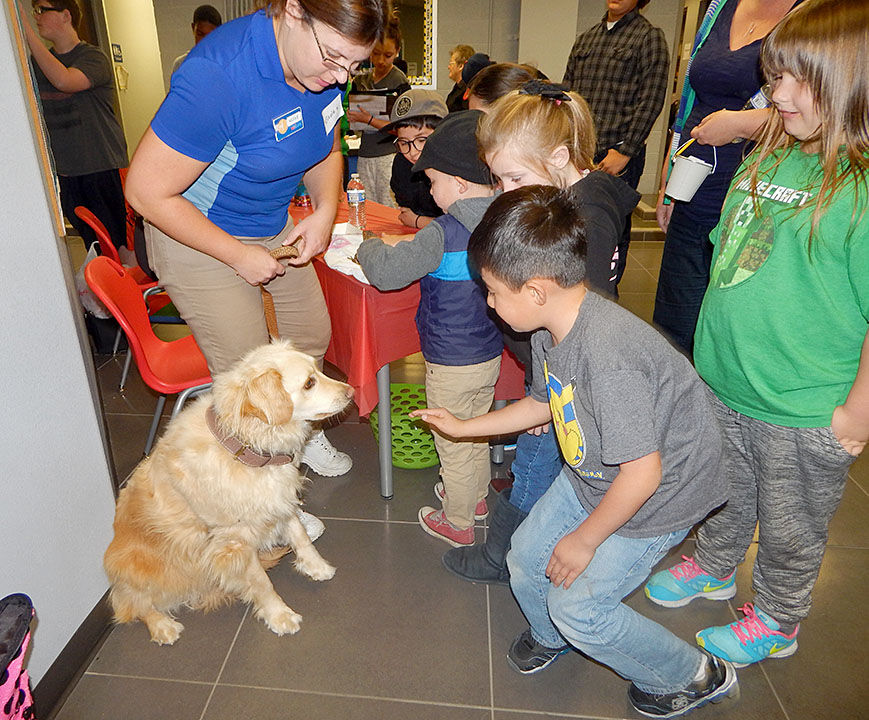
<point>452,148</point>
<point>415,103</point>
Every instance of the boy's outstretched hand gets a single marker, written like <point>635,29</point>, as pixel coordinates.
<point>443,420</point>
<point>570,557</point>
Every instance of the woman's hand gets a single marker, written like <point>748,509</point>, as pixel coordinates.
<point>442,420</point>
<point>255,265</point>
<point>663,212</point>
<point>539,429</point>
<point>718,128</point>
<point>311,236</point>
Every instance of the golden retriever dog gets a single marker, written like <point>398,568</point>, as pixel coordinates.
<point>195,526</point>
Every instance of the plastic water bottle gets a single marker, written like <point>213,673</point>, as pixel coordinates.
<point>356,201</point>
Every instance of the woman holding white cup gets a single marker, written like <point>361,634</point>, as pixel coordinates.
<point>723,78</point>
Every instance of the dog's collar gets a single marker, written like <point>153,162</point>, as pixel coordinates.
<point>239,450</point>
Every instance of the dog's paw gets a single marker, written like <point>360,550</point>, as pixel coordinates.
<point>283,622</point>
<point>316,568</point>
<point>165,631</point>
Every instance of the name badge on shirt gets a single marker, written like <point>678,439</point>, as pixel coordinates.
<point>332,113</point>
<point>288,123</point>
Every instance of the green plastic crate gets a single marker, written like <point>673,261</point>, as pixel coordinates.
<point>412,442</point>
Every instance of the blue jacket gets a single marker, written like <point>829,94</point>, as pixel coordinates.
<point>455,327</point>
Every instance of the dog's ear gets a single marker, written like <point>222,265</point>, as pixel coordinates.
<point>267,400</point>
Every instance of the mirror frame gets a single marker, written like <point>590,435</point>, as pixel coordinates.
<point>428,79</point>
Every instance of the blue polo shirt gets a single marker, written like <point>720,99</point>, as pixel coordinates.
<point>230,106</point>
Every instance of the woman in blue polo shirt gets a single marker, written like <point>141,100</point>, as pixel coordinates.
<point>252,110</point>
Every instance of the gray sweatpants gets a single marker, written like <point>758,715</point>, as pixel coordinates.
<point>788,482</point>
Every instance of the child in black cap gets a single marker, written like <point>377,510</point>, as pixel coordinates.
<point>460,342</point>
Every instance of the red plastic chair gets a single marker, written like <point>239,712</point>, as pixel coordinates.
<point>171,367</point>
<point>156,300</point>
<point>108,248</point>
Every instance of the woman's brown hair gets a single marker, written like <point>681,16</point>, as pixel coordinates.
<point>362,21</point>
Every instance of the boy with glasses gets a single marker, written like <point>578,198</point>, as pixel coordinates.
<point>414,117</point>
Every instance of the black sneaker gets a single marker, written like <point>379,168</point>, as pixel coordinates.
<point>720,682</point>
<point>528,656</point>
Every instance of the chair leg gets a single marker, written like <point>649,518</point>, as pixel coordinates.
<point>152,433</point>
<point>126,371</point>
<point>184,396</point>
<point>117,341</point>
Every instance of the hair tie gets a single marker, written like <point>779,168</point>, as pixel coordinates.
<point>546,90</point>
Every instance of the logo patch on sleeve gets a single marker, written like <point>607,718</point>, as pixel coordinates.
<point>288,124</point>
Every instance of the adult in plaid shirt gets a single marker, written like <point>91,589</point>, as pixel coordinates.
<point>620,67</point>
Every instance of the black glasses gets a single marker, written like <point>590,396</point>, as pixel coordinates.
<point>42,9</point>
<point>333,65</point>
<point>404,146</point>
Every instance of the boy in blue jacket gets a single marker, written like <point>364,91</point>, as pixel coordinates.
<point>460,342</point>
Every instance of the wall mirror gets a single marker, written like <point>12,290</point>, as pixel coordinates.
<point>418,22</point>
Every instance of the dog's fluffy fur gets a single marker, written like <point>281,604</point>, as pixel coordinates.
<point>195,527</point>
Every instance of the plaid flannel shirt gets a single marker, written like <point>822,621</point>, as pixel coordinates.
<point>622,74</point>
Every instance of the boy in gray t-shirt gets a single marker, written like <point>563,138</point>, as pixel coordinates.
<point>642,452</point>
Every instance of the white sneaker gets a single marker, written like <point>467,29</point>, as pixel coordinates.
<point>319,455</point>
<point>312,524</point>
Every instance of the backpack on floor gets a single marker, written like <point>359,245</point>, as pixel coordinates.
<point>16,702</point>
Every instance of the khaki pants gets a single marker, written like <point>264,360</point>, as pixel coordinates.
<point>466,391</point>
<point>225,313</point>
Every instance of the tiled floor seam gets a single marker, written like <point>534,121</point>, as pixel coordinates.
<point>223,664</point>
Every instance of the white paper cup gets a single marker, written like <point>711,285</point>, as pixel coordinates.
<point>687,175</point>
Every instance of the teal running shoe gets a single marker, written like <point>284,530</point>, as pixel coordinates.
<point>754,638</point>
<point>683,582</point>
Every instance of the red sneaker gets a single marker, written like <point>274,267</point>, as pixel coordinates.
<point>435,524</point>
<point>481,512</point>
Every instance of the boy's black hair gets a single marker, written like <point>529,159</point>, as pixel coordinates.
<point>531,232</point>
<point>419,122</point>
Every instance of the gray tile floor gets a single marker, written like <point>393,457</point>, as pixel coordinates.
<point>393,635</point>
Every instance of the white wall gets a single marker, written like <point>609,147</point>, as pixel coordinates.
<point>56,503</point>
<point>489,26</point>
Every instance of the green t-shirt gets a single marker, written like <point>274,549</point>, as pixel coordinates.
<point>781,329</point>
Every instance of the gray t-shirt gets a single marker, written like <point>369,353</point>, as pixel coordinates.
<point>85,135</point>
<point>619,391</point>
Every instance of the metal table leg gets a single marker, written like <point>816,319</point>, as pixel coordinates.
<point>497,451</point>
<point>384,444</point>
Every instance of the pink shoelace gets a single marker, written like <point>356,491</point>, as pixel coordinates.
<point>751,627</point>
<point>687,569</point>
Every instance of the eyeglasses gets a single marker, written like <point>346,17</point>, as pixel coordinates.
<point>42,9</point>
<point>404,146</point>
<point>333,65</point>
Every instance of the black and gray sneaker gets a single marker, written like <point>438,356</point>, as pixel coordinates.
<point>528,656</point>
<point>719,682</point>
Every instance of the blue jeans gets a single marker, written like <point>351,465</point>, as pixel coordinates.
<point>590,615</point>
<point>536,464</point>
<point>683,278</point>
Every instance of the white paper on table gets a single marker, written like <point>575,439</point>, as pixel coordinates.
<point>346,239</point>
<point>374,105</point>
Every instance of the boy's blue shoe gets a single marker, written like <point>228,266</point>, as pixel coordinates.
<point>754,638</point>
<point>683,582</point>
